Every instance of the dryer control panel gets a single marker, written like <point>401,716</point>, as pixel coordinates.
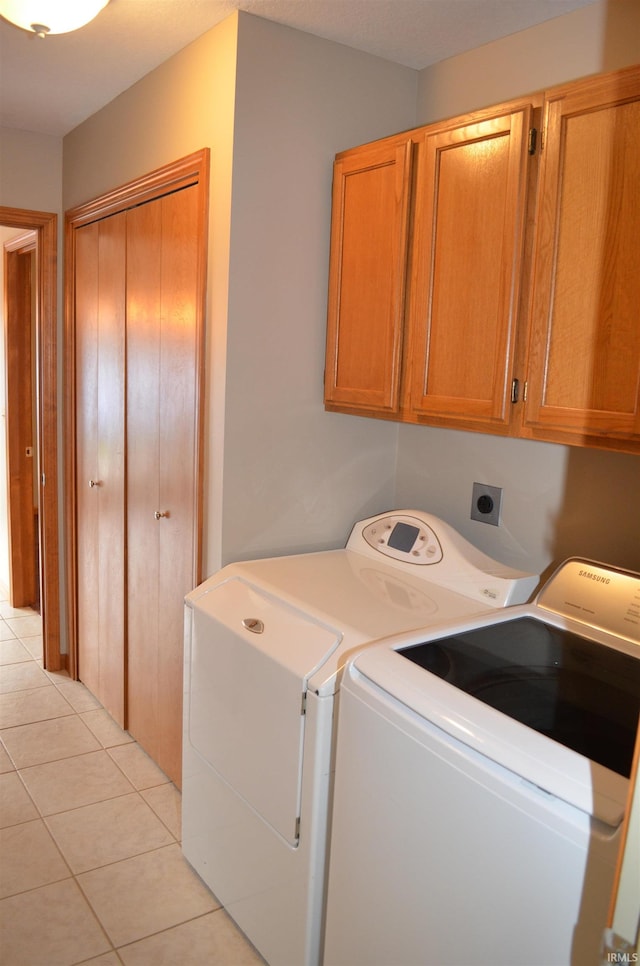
<point>404,538</point>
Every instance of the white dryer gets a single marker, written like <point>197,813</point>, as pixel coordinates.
<point>265,643</point>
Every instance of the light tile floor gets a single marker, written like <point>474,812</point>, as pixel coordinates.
<point>91,869</point>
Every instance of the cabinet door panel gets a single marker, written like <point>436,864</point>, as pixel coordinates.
<point>470,210</point>
<point>367,277</point>
<point>100,323</point>
<point>584,348</point>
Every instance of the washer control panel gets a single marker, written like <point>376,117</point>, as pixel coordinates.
<point>404,538</point>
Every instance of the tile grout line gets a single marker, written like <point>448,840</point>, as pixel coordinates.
<point>134,777</point>
<point>31,659</point>
<point>42,818</point>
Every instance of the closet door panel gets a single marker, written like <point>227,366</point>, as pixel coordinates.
<point>86,295</point>
<point>111,462</point>
<point>100,322</point>
<point>144,230</point>
<point>161,393</point>
<point>178,476</point>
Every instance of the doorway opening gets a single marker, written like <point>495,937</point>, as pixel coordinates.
<point>22,492</point>
<point>30,261</point>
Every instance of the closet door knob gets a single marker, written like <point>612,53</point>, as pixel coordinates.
<point>159,514</point>
<point>93,483</point>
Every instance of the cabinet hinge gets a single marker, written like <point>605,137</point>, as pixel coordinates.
<point>303,705</point>
<point>297,835</point>
<point>533,138</point>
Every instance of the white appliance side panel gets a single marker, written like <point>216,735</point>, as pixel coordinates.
<point>245,707</point>
<point>274,892</point>
<point>441,858</point>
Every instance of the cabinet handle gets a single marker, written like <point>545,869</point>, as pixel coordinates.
<point>159,514</point>
<point>93,483</point>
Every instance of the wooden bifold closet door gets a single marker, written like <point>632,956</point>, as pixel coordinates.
<point>162,270</point>
<point>100,459</point>
<point>138,294</point>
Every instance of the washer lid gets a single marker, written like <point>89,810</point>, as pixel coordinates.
<point>571,689</point>
<point>403,687</point>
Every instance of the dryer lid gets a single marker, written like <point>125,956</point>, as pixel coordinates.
<point>251,656</point>
<point>284,633</point>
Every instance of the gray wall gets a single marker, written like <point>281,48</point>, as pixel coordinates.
<point>31,178</point>
<point>275,105</point>
<point>296,477</point>
<point>558,501</point>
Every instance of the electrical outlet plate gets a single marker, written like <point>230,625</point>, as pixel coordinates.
<point>485,503</point>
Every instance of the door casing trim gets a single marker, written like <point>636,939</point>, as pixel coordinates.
<point>190,170</point>
<point>45,224</point>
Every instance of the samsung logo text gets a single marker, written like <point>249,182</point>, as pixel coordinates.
<point>597,577</point>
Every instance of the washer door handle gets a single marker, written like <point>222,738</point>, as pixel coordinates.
<point>253,624</point>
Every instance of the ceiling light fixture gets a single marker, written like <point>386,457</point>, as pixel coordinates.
<point>44,17</point>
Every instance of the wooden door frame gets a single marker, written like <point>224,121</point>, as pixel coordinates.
<point>191,170</point>
<point>19,334</point>
<point>45,226</point>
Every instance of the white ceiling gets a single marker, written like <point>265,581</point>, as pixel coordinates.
<point>49,86</point>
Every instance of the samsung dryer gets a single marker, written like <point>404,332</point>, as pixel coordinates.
<point>265,643</point>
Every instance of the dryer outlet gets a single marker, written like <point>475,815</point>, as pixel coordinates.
<point>486,502</point>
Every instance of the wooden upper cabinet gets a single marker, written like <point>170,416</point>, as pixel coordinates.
<point>497,287</point>
<point>470,209</point>
<point>583,368</point>
<point>369,234</point>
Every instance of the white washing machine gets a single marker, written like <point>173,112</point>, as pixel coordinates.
<point>265,642</point>
<point>481,781</point>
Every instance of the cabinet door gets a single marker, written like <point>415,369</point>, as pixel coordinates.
<point>100,466</point>
<point>162,482</point>
<point>584,347</point>
<point>367,278</point>
<point>468,242</point>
